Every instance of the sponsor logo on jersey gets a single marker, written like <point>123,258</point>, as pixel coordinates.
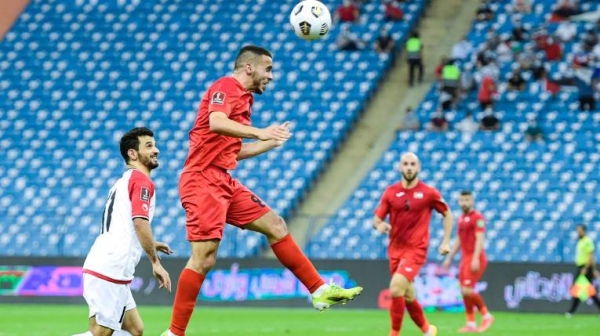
<point>145,207</point>
<point>145,194</point>
<point>218,98</point>
<point>400,194</point>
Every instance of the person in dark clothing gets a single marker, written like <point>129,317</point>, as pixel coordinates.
<point>414,56</point>
<point>586,265</point>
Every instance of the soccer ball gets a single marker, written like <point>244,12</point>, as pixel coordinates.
<point>310,19</point>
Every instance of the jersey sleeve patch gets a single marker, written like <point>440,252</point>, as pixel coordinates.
<point>480,223</point>
<point>145,194</point>
<point>218,98</point>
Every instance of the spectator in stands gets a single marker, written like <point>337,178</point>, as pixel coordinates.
<point>585,85</point>
<point>534,132</point>
<point>519,33</point>
<point>528,59</point>
<point>589,40</point>
<point>451,80</point>
<point>490,122</point>
<point>385,42</point>
<point>566,31</point>
<point>348,12</point>
<point>547,84</point>
<point>348,41</point>
<point>504,52</point>
<point>468,124</point>
<point>392,11</point>
<point>440,67</point>
<point>516,82</point>
<point>487,90</point>
<point>564,10</point>
<point>414,56</point>
<point>553,49</point>
<point>484,12</point>
<point>410,121</point>
<point>522,6</point>
<point>467,82</point>
<point>462,49</point>
<point>438,122</point>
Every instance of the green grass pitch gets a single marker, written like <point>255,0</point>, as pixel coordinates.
<point>65,320</point>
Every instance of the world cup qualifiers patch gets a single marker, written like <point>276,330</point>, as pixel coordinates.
<point>480,223</point>
<point>218,98</point>
<point>145,194</point>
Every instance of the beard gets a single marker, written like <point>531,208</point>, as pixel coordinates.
<point>465,209</point>
<point>149,163</point>
<point>407,179</point>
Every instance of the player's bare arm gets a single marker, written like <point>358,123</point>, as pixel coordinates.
<point>380,225</point>
<point>448,222</point>
<point>253,149</point>
<point>479,239</point>
<point>144,234</point>
<point>221,124</point>
<point>453,252</point>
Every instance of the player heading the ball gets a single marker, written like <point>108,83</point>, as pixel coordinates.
<point>211,197</point>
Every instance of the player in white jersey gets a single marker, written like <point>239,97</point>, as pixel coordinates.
<point>124,235</point>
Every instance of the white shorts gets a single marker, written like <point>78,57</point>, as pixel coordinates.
<point>107,301</point>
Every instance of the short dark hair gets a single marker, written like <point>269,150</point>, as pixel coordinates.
<point>583,227</point>
<point>131,140</point>
<point>249,52</point>
<point>466,193</point>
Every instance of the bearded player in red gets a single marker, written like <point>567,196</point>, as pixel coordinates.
<point>211,197</point>
<point>409,205</point>
<point>471,232</point>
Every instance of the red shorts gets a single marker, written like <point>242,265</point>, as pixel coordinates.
<point>466,276</point>
<point>212,198</point>
<point>408,263</point>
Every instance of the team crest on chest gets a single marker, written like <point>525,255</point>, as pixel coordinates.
<point>418,195</point>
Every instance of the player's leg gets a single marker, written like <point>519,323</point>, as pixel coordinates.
<point>205,202</point>
<point>416,312</point>
<point>204,256</point>
<point>132,321</point>
<point>251,213</point>
<point>466,291</point>
<point>398,286</point>
<point>468,281</point>
<point>107,302</point>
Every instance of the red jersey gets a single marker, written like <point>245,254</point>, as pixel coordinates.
<point>410,214</point>
<point>468,226</point>
<point>226,95</point>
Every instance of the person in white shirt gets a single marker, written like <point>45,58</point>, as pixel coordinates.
<point>468,124</point>
<point>566,31</point>
<point>462,49</point>
<point>124,235</point>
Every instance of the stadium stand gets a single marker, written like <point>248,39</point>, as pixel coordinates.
<point>76,75</point>
<point>532,193</point>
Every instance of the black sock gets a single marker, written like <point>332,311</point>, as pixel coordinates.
<point>574,305</point>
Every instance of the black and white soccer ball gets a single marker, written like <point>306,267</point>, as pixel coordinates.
<point>310,19</point>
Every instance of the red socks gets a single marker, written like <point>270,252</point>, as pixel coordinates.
<point>469,308</point>
<point>478,302</point>
<point>417,315</point>
<point>290,256</point>
<point>188,288</point>
<point>397,313</point>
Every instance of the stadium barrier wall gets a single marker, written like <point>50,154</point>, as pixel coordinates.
<point>523,287</point>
